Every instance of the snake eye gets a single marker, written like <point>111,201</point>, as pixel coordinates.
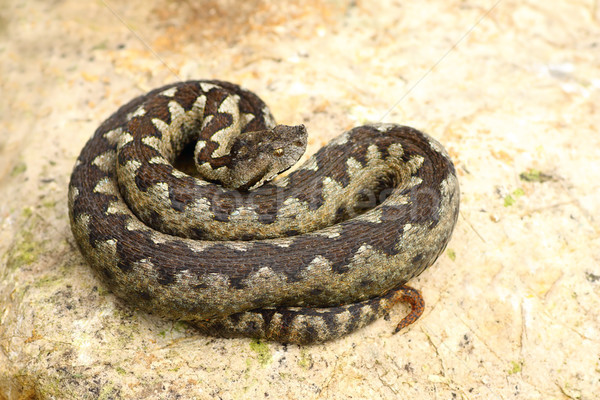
<point>278,152</point>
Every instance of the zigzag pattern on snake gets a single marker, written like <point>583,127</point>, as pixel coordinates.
<point>308,257</point>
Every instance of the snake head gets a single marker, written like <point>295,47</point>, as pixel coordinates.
<point>257,157</point>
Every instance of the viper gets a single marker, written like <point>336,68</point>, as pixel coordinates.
<point>306,257</point>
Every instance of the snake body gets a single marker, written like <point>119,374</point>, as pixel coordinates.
<point>306,258</point>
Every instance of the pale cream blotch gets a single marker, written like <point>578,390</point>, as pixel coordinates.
<point>106,161</point>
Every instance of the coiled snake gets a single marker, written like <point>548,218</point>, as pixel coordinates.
<point>306,258</point>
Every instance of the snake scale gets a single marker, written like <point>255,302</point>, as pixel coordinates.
<point>309,257</point>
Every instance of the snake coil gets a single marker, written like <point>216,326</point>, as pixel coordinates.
<point>308,257</point>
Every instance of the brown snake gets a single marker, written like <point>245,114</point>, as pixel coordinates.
<point>306,258</point>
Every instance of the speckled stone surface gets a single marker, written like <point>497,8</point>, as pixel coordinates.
<point>511,88</point>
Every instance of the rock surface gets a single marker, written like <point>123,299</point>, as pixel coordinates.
<point>511,89</point>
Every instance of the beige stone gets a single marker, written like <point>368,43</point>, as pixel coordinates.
<point>511,89</point>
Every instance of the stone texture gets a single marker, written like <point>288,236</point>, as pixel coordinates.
<point>510,88</point>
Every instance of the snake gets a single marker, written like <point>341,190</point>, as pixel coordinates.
<point>182,204</point>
